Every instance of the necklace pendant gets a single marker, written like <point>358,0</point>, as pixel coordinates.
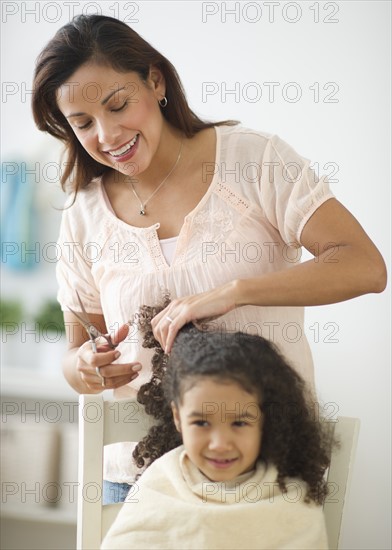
<point>142,208</point>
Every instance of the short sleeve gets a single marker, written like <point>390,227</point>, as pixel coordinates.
<point>73,269</point>
<point>290,190</point>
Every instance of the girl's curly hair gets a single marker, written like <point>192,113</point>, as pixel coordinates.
<point>295,439</point>
<point>162,436</point>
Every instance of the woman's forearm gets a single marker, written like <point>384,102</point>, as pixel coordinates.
<point>356,271</point>
<point>348,266</point>
<point>333,276</point>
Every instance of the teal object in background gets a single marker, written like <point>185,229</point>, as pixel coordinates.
<point>20,248</point>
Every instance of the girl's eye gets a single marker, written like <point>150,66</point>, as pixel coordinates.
<point>200,423</point>
<point>121,108</point>
<point>240,423</point>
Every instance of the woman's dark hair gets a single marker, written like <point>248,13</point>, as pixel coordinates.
<point>107,42</point>
<point>294,438</point>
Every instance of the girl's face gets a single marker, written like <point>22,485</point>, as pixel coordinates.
<point>115,116</point>
<point>221,427</point>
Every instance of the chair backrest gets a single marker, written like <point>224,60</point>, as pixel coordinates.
<point>346,431</point>
<point>101,423</point>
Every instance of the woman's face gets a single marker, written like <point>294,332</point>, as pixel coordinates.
<point>115,116</point>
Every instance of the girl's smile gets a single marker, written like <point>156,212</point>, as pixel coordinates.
<point>221,463</point>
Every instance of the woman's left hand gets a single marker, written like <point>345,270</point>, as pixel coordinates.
<point>205,306</point>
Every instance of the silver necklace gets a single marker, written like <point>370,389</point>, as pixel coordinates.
<point>142,210</point>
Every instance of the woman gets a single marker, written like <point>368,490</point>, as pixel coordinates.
<point>213,213</point>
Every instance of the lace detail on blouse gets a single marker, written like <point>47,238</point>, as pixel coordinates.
<point>215,224</point>
<point>212,228</point>
<point>232,198</point>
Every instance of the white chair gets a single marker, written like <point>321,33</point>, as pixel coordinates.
<point>104,422</point>
<point>346,431</point>
<point>101,423</point>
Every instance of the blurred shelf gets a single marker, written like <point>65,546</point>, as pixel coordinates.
<point>31,385</point>
<point>38,513</point>
<point>33,382</point>
<point>18,533</point>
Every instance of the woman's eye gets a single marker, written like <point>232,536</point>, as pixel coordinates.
<point>240,423</point>
<point>121,108</point>
<point>86,125</point>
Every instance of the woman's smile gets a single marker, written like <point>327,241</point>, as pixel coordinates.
<point>126,151</point>
<point>123,148</point>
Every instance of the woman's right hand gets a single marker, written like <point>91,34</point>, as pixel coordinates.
<point>98,370</point>
<point>84,369</point>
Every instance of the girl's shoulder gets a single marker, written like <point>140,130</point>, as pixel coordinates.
<point>164,476</point>
<point>165,467</point>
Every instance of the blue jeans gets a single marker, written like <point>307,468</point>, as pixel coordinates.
<point>114,492</point>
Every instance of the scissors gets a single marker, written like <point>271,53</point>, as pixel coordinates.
<point>91,329</point>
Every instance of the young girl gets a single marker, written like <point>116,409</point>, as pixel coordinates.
<point>236,459</point>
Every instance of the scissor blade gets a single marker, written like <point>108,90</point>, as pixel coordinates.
<point>84,318</point>
<point>81,305</point>
<point>84,322</point>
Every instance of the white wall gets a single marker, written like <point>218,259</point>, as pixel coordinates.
<point>349,61</point>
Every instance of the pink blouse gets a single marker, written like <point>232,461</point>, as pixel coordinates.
<point>248,223</point>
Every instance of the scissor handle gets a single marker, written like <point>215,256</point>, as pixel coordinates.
<point>109,340</point>
<point>94,333</point>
